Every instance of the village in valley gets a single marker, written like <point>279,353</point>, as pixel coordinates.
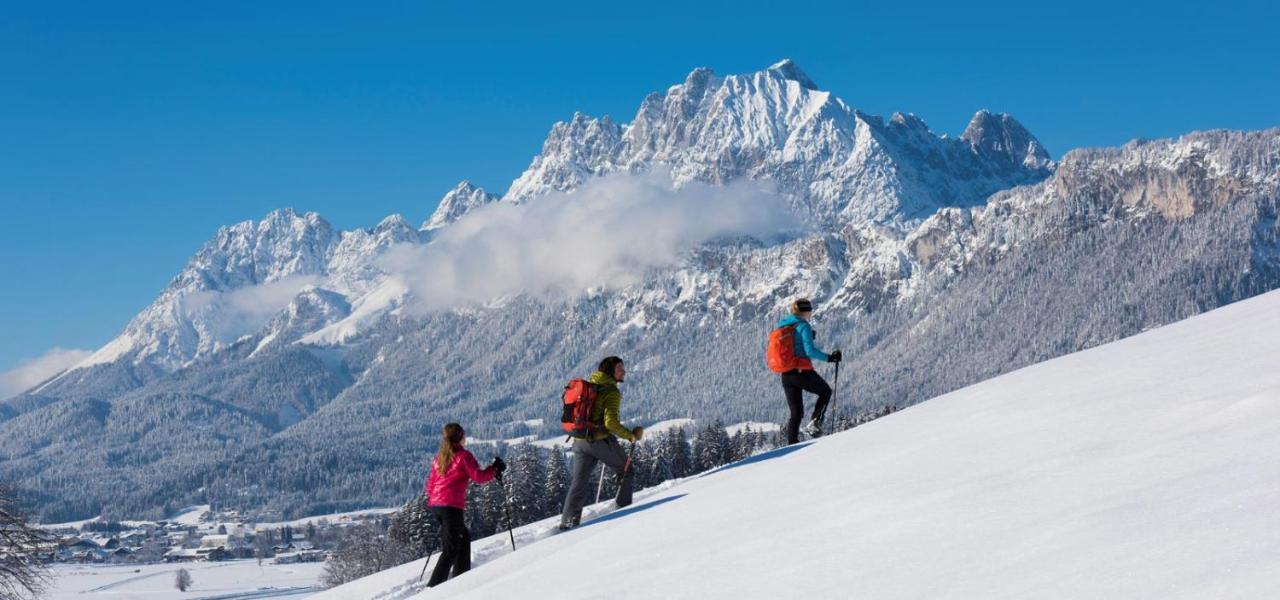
<point>200,534</point>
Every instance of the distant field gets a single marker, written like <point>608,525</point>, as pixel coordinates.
<point>240,580</point>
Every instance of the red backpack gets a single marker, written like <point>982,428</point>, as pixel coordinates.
<point>781,355</point>
<point>579,398</point>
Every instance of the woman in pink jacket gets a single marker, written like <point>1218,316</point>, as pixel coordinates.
<point>453,469</point>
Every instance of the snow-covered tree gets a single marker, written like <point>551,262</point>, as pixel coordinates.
<point>364,550</point>
<point>413,526</point>
<point>556,484</point>
<point>486,507</point>
<point>22,573</point>
<point>673,454</point>
<point>711,447</point>
<point>524,482</point>
<point>643,464</point>
<point>182,580</point>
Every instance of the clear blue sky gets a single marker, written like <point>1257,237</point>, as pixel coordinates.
<point>129,131</point>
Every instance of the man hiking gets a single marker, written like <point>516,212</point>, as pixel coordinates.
<point>600,444</point>
<point>791,354</point>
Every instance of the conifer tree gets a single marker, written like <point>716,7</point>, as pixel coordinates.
<point>555,483</point>
<point>674,451</point>
<point>524,481</point>
<point>711,448</point>
<point>415,527</point>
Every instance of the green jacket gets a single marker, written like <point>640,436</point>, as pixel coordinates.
<point>608,403</point>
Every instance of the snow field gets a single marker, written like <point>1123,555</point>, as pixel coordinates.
<point>1140,469</point>
<point>239,579</point>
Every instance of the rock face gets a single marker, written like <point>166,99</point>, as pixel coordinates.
<point>462,199</point>
<point>842,165</point>
<point>935,262</point>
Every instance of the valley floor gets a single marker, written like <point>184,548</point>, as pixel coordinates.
<point>230,580</point>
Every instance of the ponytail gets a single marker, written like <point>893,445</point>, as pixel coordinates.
<point>452,434</point>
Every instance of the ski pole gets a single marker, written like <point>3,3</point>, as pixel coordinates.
<point>425,563</point>
<point>835,385</point>
<point>626,468</point>
<point>506,508</point>
<point>509,526</point>
<point>600,488</point>
<point>424,566</point>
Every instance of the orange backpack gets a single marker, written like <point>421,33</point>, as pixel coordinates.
<point>579,398</point>
<point>781,355</point>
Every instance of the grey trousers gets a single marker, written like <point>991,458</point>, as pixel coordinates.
<point>585,457</point>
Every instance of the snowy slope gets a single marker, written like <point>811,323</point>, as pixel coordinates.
<point>1140,469</point>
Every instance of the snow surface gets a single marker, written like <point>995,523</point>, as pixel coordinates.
<point>663,426</point>
<point>355,515</point>
<point>385,298</point>
<point>193,515</point>
<point>231,580</point>
<point>1139,469</point>
<point>756,426</point>
<point>657,428</point>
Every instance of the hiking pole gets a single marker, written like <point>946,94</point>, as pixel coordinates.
<point>506,508</point>
<point>835,385</point>
<point>424,565</point>
<point>600,488</point>
<point>627,467</point>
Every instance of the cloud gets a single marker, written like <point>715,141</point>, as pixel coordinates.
<point>30,372</point>
<point>607,233</point>
<point>224,317</point>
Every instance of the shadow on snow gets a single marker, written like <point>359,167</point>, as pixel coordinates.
<point>630,510</point>
<point>763,456</point>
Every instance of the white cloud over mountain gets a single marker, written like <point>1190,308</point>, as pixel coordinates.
<point>30,372</point>
<point>607,233</point>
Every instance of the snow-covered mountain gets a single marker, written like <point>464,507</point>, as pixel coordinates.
<point>1139,469</point>
<point>462,199</point>
<point>936,262</point>
<point>197,314</point>
<point>842,165</point>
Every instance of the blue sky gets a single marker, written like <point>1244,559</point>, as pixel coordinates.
<point>130,131</point>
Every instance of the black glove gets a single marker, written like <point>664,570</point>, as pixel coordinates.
<point>835,357</point>
<point>498,466</point>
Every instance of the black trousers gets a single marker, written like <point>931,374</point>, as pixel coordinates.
<point>793,384</point>
<point>455,545</point>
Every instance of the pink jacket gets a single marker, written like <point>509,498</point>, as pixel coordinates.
<point>450,489</point>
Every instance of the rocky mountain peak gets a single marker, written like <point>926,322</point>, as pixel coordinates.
<point>699,78</point>
<point>999,135</point>
<point>841,165</point>
<point>788,69</point>
<point>462,199</point>
<point>392,223</point>
<point>282,244</point>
